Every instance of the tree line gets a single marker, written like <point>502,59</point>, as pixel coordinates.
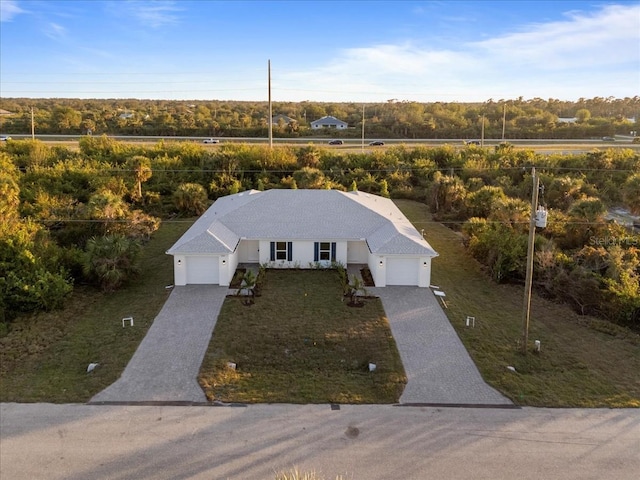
<point>519,118</point>
<point>80,216</point>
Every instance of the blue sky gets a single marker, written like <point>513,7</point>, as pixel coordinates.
<point>333,51</point>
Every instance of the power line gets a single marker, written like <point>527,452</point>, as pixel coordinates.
<point>422,222</point>
<point>346,170</point>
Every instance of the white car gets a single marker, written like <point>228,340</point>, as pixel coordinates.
<point>4,138</point>
<point>211,140</point>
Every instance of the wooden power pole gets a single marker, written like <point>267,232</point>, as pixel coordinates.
<point>270,111</point>
<point>526,308</point>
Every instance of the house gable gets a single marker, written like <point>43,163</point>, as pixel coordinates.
<point>329,122</point>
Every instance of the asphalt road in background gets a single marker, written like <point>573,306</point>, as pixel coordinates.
<point>366,442</point>
<point>621,140</point>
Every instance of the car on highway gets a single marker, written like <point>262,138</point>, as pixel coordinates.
<point>608,139</point>
<point>4,138</point>
<point>335,142</point>
<point>211,140</point>
<point>376,143</point>
<point>472,142</point>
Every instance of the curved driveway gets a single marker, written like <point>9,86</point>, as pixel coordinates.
<point>165,366</point>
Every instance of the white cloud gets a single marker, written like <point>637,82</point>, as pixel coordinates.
<point>9,9</point>
<point>595,54</point>
<point>154,14</point>
<point>55,31</point>
<point>609,36</point>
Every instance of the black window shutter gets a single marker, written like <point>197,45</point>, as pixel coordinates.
<point>333,251</point>
<point>316,251</point>
<point>289,251</point>
<point>273,251</point>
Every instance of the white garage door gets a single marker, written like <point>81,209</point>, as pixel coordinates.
<point>202,270</point>
<point>402,271</point>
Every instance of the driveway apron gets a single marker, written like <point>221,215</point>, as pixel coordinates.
<point>438,367</point>
<point>166,364</point>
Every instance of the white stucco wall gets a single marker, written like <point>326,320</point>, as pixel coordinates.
<point>424,278</point>
<point>378,267</point>
<point>303,257</point>
<point>227,265</point>
<point>302,252</point>
<point>337,126</point>
<point>179,270</point>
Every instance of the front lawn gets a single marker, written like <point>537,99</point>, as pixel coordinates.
<point>301,343</point>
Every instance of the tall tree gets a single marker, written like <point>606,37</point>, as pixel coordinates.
<point>140,166</point>
<point>190,198</point>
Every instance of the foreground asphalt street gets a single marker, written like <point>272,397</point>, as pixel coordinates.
<point>366,442</point>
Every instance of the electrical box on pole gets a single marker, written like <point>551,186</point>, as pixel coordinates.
<point>541,217</point>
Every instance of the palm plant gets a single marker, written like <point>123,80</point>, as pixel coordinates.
<point>111,260</point>
<point>248,287</point>
<point>357,287</point>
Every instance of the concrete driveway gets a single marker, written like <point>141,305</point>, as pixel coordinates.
<point>438,367</point>
<point>166,364</point>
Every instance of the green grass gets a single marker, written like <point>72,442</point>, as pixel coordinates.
<point>584,362</point>
<point>44,357</point>
<point>301,343</point>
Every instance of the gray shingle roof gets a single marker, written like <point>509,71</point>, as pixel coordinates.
<point>328,120</point>
<point>329,215</point>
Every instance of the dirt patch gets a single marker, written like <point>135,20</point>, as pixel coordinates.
<point>236,281</point>
<point>367,278</point>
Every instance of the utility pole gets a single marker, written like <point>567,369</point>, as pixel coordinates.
<point>526,308</point>
<point>270,111</point>
<point>363,127</point>
<point>33,126</point>
<point>482,132</point>
<point>504,118</point>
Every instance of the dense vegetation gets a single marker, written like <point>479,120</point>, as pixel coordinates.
<point>80,216</point>
<point>535,118</point>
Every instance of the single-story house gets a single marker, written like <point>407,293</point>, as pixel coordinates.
<point>302,229</point>
<point>329,122</point>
